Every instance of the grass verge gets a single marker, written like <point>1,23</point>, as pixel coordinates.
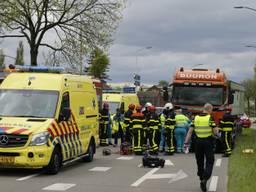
<point>242,167</point>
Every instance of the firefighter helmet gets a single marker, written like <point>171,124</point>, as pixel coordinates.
<point>148,104</point>
<point>152,108</point>
<point>131,106</point>
<point>168,106</point>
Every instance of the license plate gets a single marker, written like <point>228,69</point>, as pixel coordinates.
<point>6,160</point>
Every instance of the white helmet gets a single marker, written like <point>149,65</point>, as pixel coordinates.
<point>148,104</point>
<point>168,106</point>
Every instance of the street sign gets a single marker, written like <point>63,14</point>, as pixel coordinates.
<point>129,89</point>
<point>136,78</point>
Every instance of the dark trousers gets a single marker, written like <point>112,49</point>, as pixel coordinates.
<point>128,135</point>
<point>204,150</point>
<point>138,140</point>
<point>154,140</point>
<point>118,134</point>
<point>169,138</point>
<point>103,134</point>
<point>226,137</point>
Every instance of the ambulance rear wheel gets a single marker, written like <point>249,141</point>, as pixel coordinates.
<point>55,162</point>
<point>90,152</point>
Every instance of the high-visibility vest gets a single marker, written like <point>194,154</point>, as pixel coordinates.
<point>162,119</point>
<point>115,124</point>
<point>202,126</point>
<point>181,120</point>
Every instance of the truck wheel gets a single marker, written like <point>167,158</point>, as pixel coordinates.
<point>55,162</point>
<point>90,152</point>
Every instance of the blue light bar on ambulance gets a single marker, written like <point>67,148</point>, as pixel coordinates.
<point>40,69</point>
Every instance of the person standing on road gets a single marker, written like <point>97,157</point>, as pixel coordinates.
<point>147,114</point>
<point>127,120</point>
<point>154,131</point>
<point>137,124</point>
<point>104,124</point>
<point>117,127</point>
<point>162,139</point>
<point>169,129</point>
<point>226,127</point>
<point>180,131</point>
<point>204,128</point>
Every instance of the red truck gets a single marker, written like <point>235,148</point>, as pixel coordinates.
<point>192,88</point>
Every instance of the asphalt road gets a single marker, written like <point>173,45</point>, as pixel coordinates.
<point>116,173</point>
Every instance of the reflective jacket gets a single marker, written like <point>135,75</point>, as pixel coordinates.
<point>137,121</point>
<point>203,125</point>
<point>127,118</point>
<point>104,117</point>
<point>154,122</point>
<point>227,122</point>
<point>170,121</point>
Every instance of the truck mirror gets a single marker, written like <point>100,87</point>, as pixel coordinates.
<point>231,99</point>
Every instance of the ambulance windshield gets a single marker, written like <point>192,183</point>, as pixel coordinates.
<point>28,103</point>
<point>113,106</point>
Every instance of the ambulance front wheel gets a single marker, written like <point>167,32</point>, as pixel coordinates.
<point>55,162</point>
<point>90,152</point>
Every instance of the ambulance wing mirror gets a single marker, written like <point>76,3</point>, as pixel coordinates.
<point>66,113</point>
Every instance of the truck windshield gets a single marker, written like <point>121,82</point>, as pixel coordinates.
<point>188,95</point>
<point>113,106</point>
<point>28,103</point>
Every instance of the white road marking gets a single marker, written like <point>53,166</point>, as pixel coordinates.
<point>140,165</point>
<point>28,177</point>
<point>103,169</point>
<point>168,162</point>
<point>150,175</point>
<point>125,158</point>
<point>59,187</point>
<point>213,184</point>
<point>218,163</point>
<point>143,178</point>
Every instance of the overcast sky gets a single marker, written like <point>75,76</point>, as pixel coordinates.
<point>181,33</point>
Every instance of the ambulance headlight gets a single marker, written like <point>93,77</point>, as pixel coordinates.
<point>39,139</point>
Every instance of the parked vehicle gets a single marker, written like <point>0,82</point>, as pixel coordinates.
<point>47,119</point>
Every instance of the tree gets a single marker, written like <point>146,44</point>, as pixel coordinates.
<point>71,22</point>
<point>163,83</point>
<point>2,57</point>
<point>98,64</point>
<point>248,85</point>
<point>20,54</point>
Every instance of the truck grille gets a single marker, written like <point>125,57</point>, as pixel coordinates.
<point>9,140</point>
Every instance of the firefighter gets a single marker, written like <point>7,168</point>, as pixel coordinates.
<point>104,124</point>
<point>169,129</point>
<point>226,127</point>
<point>127,120</point>
<point>154,131</point>
<point>181,126</point>
<point>204,128</point>
<point>137,124</point>
<point>146,113</point>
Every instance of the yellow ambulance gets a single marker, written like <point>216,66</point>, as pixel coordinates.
<point>47,119</point>
<point>120,100</point>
